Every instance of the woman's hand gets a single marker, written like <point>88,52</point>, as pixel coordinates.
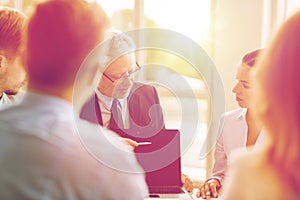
<point>210,188</point>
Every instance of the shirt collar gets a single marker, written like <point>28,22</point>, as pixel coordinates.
<point>107,101</point>
<point>2,98</point>
<point>104,100</point>
<point>5,99</point>
<point>48,101</point>
<point>242,114</point>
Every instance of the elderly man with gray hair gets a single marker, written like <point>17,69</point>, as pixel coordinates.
<point>116,89</point>
<point>121,103</point>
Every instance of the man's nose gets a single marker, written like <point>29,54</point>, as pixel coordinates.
<point>127,81</point>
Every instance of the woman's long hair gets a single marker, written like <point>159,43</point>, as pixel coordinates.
<point>278,101</point>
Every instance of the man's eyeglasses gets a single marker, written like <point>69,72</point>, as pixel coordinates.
<point>124,76</point>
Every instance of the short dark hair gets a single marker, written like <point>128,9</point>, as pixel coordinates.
<point>251,57</point>
<point>60,34</point>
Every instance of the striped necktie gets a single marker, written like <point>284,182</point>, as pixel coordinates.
<point>116,121</point>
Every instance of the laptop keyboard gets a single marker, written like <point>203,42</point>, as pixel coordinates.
<point>165,190</point>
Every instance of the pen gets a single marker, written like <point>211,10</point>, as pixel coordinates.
<point>144,143</point>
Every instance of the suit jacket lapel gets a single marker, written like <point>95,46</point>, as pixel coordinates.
<point>91,111</point>
<point>98,111</point>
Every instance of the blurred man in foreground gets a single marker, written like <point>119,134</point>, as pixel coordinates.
<point>44,153</point>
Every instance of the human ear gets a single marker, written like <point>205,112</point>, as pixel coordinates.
<point>3,62</point>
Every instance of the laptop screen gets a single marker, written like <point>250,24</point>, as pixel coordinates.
<point>160,159</point>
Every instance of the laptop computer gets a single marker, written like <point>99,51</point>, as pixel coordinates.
<point>160,160</point>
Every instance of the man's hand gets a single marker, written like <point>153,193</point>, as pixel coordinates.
<point>187,183</point>
<point>131,142</point>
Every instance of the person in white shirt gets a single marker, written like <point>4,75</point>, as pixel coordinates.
<point>272,170</point>
<point>238,128</point>
<point>12,73</point>
<point>46,151</point>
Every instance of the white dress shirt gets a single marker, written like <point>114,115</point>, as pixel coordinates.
<point>232,135</point>
<point>5,100</point>
<point>8,100</point>
<point>47,152</point>
<point>105,104</point>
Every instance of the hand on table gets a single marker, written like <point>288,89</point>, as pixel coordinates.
<point>187,183</point>
<point>210,188</point>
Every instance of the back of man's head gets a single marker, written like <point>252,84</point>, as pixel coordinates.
<point>60,34</point>
<point>11,27</point>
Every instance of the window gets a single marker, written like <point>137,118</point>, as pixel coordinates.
<point>292,6</point>
<point>190,18</point>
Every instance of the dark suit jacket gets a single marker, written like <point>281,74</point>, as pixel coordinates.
<point>143,105</point>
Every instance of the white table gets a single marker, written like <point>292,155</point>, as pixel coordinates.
<point>183,196</point>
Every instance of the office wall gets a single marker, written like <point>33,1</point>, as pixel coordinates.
<point>236,29</point>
